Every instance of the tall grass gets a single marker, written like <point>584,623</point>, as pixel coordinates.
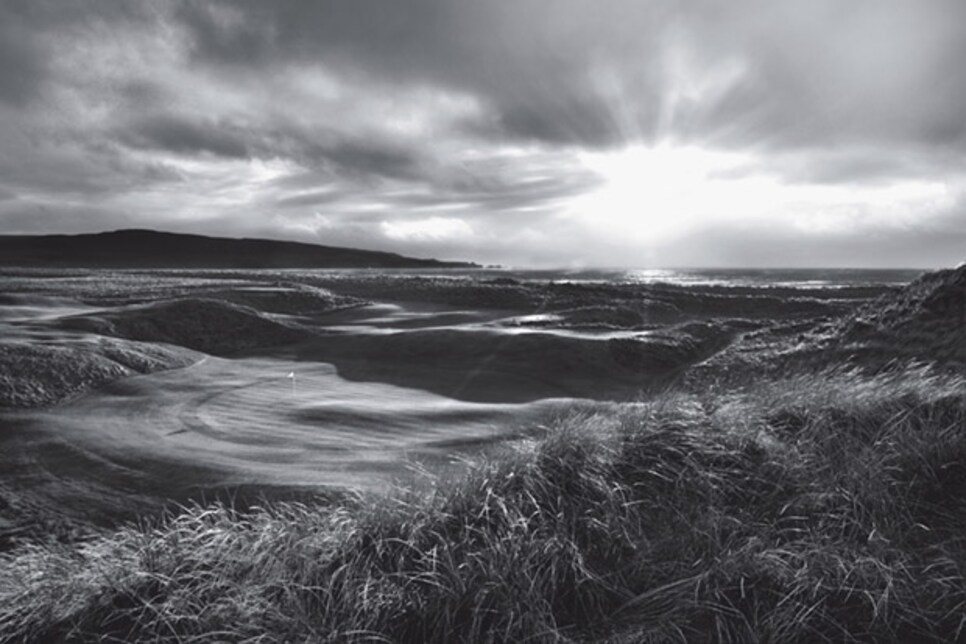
<point>827,507</point>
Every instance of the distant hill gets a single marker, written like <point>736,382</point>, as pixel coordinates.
<point>154,249</point>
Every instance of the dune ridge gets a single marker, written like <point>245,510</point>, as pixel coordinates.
<point>925,319</point>
<point>208,325</point>
<point>33,374</point>
<point>922,321</point>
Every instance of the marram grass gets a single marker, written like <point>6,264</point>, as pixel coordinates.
<point>829,507</point>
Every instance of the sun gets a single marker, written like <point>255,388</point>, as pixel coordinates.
<point>653,194</point>
<point>655,198</point>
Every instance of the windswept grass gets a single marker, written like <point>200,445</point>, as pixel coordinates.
<point>828,507</point>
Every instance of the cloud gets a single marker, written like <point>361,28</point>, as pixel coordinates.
<point>431,229</point>
<point>462,127</point>
<point>21,63</point>
<point>807,70</point>
<point>172,134</point>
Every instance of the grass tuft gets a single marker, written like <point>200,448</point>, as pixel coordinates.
<point>825,507</point>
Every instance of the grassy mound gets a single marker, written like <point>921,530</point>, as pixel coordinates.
<point>38,374</point>
<point>815,508</point>
<point>291,298</point>
<point>212,326</point>
<point>925,318</point>
<point>922,321</point>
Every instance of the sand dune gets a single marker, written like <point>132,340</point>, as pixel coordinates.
<point>54,347</point>
<point>926,319</point>
<point>209,325</point>
<point>41,364</point>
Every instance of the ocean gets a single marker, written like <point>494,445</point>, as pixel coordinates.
<point>802,278</point>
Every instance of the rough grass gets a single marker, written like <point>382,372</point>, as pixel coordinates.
<point>829,507</point>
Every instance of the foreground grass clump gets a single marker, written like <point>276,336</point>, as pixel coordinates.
<point>815,508</point>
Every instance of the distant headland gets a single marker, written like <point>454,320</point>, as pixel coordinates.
<point>135,248</point>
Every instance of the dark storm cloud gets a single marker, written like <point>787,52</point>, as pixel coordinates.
<point>397,35</point>
<point>76,168</point>
<point>815,71</point>
<point>360,158</point>
<point>312,147</point>
<point>367,159</point>
<point>180,135</point>
<point>29,32</point>
<point>313,198</point>
<point>482,193</point>
<point>576,121</point>
<point>529,61</point>
<point>21,62</point>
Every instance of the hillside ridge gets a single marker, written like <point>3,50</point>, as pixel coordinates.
<point>925,319</point>
<point>142,248</point>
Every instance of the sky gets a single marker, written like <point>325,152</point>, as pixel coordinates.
<point>637,133</point>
